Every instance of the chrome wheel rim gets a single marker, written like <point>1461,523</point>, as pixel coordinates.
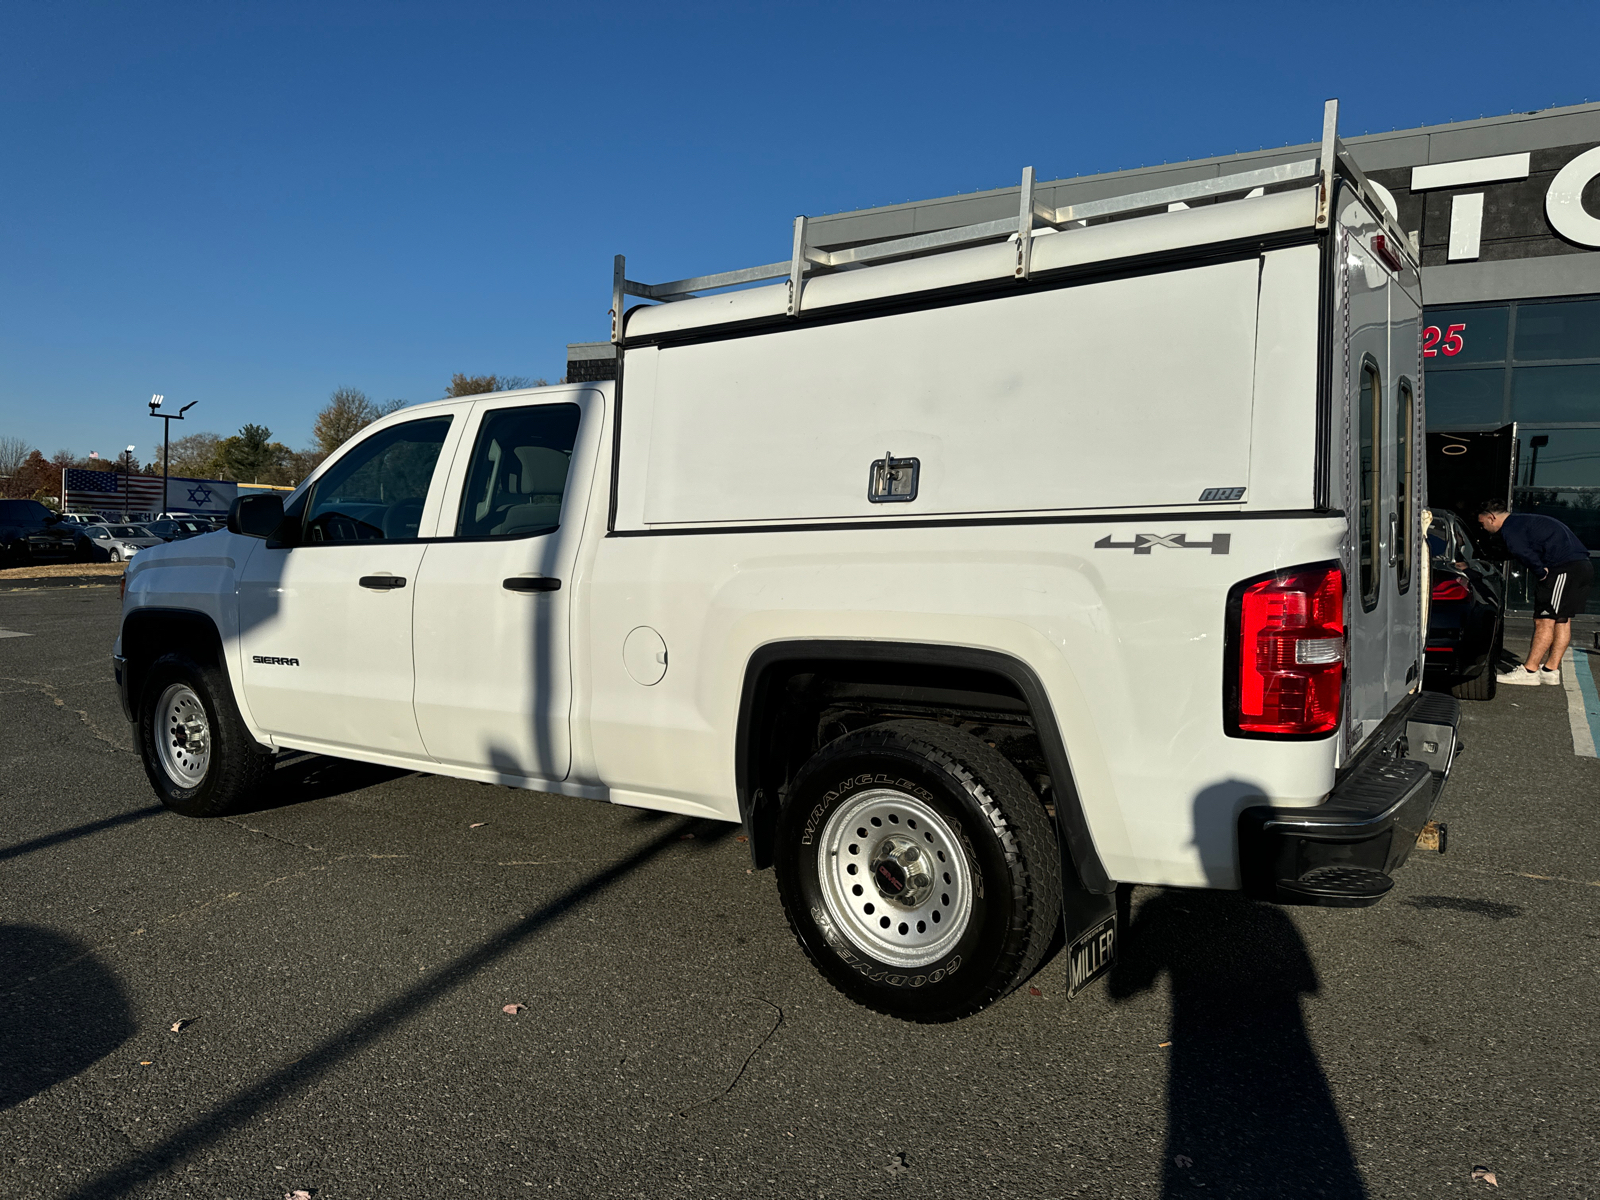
<point>183,736</point>
<point>894,878</point>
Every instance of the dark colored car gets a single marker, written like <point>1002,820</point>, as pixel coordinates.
<point>30,533</point>
<point>1466,625</point>
<point>178,528</point>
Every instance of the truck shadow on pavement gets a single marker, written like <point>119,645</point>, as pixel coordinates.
<point>300,778</point>
<point>359,1035</point>
<point>1249,1110</point>
<point>64,1012</point>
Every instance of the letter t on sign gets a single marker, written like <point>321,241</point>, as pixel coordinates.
<point>1466,225</point>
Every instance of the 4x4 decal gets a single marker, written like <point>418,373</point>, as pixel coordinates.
<point>1143,543</point>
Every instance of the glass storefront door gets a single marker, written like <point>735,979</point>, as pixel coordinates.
<point>1535,362</point>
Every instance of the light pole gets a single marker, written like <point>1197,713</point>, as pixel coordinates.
<point>166,438</point>
<point>127,483</point>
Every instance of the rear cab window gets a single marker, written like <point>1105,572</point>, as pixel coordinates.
<point>518,473</point>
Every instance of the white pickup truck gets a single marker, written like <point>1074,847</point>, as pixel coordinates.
<point>976,573</point>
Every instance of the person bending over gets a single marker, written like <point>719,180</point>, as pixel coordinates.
<point>1562,575</point>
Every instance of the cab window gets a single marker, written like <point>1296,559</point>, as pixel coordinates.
<point>376,491</point>
<point>519,472</point>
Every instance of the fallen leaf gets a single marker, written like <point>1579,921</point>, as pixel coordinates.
<point>1485,1175</point>
<point>297,1194</point>
<point>477,825</point>
<point>146,1062</point>
<point>1162,1045</point>
<point>1033,991</point>
<point>749,870</point>
<point>1183,1160</point>
<point>513,1009</point>
<point>741,838</point>
<point>686,837</point>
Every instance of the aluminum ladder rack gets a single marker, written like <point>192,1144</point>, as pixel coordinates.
<point>1032,216</point>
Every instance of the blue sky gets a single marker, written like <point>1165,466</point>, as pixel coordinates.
<point>250,205</point>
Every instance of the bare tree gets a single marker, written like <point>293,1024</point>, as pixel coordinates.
<point>13,453</point>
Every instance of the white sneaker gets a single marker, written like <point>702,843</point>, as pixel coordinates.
<point>1546,675</point>
<point>1518,677</point>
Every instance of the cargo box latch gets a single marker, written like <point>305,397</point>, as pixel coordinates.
<point>892,479</point>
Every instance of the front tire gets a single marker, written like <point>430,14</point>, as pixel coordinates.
<point>196,750</point>
<point>918,870</point>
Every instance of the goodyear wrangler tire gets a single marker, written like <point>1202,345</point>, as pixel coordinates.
<point>195,748</point>
<point>918,870</point>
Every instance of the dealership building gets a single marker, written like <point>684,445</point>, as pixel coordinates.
<point>1506,214</point>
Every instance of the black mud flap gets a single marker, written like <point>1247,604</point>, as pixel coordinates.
<point>1089,924</point>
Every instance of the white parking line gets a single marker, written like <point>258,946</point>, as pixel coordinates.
<point>5,633</point>
<point>1584,722</point>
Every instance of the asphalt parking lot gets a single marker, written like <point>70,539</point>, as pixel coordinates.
<point>310,996</point>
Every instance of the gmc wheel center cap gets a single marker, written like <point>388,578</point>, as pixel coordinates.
<point>899,873</point>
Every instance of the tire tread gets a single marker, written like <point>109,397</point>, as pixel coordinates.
<point>1019,820</point>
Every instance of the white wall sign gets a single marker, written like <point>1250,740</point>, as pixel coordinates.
<point>1563,203</point>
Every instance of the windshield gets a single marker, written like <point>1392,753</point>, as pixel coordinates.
<point>130,531</point>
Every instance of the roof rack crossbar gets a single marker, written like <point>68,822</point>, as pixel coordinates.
<point>1198,189</point>
<point>1031,213</point>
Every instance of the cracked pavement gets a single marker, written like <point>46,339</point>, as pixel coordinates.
<point>342,958</point>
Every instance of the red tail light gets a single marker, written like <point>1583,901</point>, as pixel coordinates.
<point>1287,659</point>
<point>1450,589</point>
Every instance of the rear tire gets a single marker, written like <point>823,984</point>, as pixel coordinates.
<point>918,870</point>
<point>195,748</point>
<point>1485,685</point>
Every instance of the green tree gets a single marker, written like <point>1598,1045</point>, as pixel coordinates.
<point>196,456</point>
<point>251,456</point>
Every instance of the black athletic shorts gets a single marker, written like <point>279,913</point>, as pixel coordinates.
<point>1564,592</point>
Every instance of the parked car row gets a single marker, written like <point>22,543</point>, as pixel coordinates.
<point>30,533</point>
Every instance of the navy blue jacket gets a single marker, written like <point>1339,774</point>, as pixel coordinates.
<point>1541,542</point>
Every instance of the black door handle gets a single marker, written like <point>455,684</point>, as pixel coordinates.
<point>532,583</point>
<point>383,583</point>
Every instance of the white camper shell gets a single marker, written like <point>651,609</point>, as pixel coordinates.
<point>977,574</point>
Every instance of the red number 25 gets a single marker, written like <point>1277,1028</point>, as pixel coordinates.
<point>1451,344</point>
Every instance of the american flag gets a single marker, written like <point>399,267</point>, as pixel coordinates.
<point>97,491</point>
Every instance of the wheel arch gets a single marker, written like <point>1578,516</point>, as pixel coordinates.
<point>925,676</point>
<point>148,633</point>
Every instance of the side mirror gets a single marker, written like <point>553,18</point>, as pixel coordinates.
<point>256,515</point>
